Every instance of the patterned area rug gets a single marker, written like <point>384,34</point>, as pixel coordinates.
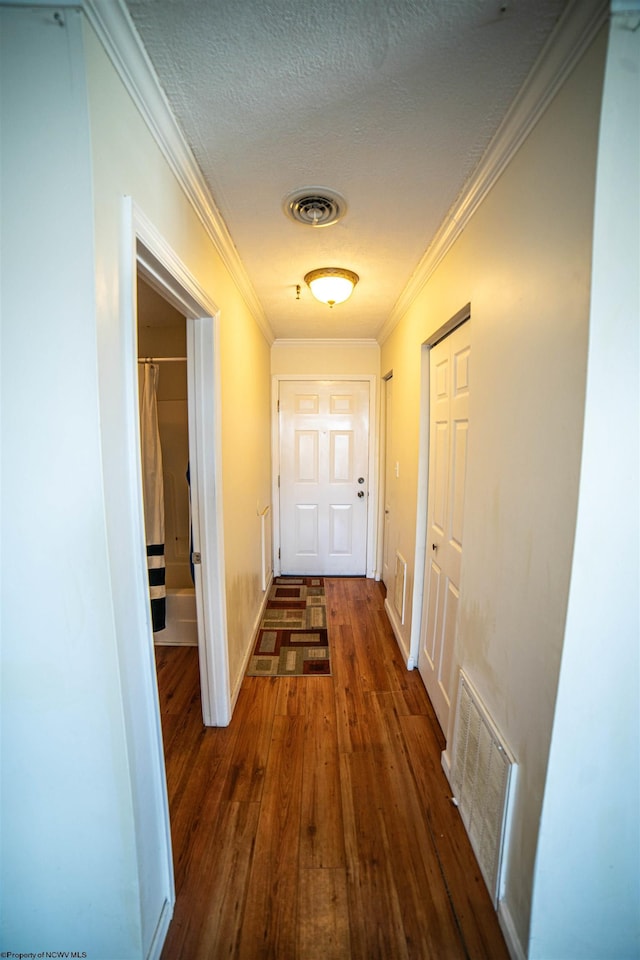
<point>292,640</point>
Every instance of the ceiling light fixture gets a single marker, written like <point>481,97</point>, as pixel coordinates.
<point>331,284</point>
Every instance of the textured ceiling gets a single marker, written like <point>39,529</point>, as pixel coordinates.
<point>389,102</point>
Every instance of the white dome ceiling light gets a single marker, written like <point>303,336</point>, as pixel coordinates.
<point>331,285</point>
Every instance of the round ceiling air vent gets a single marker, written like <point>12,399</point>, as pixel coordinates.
<point>315,206</point>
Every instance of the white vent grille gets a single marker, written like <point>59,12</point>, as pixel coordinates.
<point>483,779</point>
<point>315,206</point>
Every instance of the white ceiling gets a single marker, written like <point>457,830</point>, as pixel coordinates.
<point>391,103</point>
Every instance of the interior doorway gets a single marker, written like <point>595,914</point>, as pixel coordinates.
<point>158,268</point>
<point>164,433</point>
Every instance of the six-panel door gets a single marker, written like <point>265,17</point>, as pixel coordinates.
<point>324,441</point>
<point>448,434</point>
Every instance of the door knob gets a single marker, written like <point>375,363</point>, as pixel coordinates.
<point>434,546</point>
<point>361,493</point>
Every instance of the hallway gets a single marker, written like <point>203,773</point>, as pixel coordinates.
<point>319,824</point>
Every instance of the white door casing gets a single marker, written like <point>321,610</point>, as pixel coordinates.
<point>324,476</point>
<point>448,435</point>
<point>162,270</point>
<point>388,552</point>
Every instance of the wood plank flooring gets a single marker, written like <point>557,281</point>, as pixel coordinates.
<point>318,825</point>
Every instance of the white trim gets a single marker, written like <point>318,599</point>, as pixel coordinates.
<point>445,762</point>
<point>148,711</point>
<point>382,469</point>
<point>203,366</point>
<point>420,558</point>
<point>512,940</point>
<point>354,342</point>
<point>372,531</point>
<point>575,30</point>
<point>160,933</point>
<point>254,633</point>
<point>161,267</point>
<point>396,626</point>
<point>117,33</point>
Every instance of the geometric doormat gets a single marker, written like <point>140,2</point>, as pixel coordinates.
<point>292,640</point>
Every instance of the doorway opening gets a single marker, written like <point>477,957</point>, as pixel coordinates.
<point>161,277</point>
<point>164,435</point>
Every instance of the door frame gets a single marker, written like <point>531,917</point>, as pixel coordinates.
<point>382,472</point>
<point>152,257</point>
<point>372,571</point>
<point>462,316</point>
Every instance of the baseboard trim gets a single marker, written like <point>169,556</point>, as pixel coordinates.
<point>397,632</point>
<point>445,761</point>
<point>514,946</point>
<point>175,643</point>
<point>235,691</point>
<point>160,934</point>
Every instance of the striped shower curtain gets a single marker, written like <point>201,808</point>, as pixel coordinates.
<point>153,490</point>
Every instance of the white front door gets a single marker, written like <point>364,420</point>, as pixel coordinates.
<point>448,434</point>
<point>324,455</point>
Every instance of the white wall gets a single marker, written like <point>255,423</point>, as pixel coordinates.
<point>68,859</point>
<point>587,886</point>
<point>523,263</point>
<point>86,847</point>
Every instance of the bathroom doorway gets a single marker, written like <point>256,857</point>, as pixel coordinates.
<point>162,365</point>
<point>183,339</point>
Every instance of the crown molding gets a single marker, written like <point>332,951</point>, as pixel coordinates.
<point>117,33</point>
<point>325,342</point>
<point>574,32</point>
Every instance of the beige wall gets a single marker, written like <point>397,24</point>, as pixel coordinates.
<point>246,392</point>
<point>128,162</point>
<point>325,357</point>
<point>523,263</point>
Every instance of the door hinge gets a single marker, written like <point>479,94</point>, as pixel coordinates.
<point>278,481</point>
<point>278,553</point>
<point>196,558</point>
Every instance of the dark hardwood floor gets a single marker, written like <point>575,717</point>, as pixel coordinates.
<point>319,823</point>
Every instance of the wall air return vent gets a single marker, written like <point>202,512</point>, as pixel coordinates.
<point>483,777</point>
<point>315,206</point>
